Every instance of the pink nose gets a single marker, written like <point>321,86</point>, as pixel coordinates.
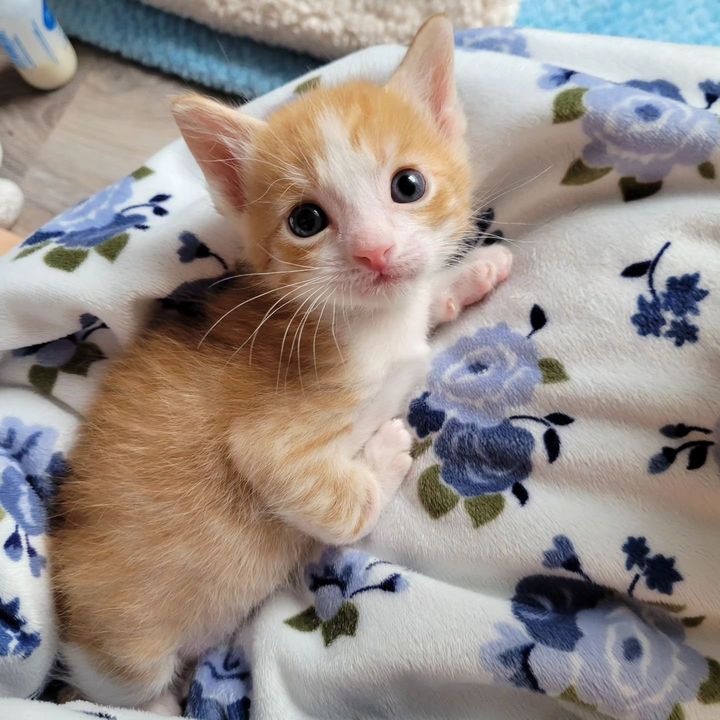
<point>375,258</point>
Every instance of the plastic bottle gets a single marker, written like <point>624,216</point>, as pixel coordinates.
<point>36,44</point>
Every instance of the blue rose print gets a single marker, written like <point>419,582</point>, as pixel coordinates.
<point>29,468</point>
<point>625,662</point>
<point>100,222</point>
<point>508,657</point>
<point>583,643</point>
<point>221,687</point>
<point>663,88</point>
<point>482,460</point>
<point>86,224</point>
<point>337,579</point>
<point>483,450</point>
<point>72,354</point>
<point>499,39</point>
<point>15,640</point>
<point>641,129</point>
<point>342,575</point>
<point>644,134</point>
<point>548,607</point>
<point>666,313</point>
<point>481,376</point>
<point>98,218</point>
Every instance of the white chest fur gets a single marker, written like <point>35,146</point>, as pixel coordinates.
<point>389,354</point>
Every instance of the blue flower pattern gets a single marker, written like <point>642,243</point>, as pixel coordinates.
<point>101,223</point>
<point>666,313</point>
<point>583,643</point>
<point>192,248</point>
<point>221,686</point>
<point>482,449</point>
<point>711,91</point>
<point>72,354</point>
<point>644,129</point>
<point>15,639</point>
<point>337,579</point>
<point>484,460</point>
<point>498,39</point>
<point>641,129</point>
<point>481,376</point>
<point>659,571</point>
<point>98,218</point>
<point>29,468</point>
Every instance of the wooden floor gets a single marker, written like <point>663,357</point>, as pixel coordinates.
<point>62,146</point>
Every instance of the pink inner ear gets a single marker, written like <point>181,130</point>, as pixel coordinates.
<point>218,138</point>
<point>442,100</point>
<point>220,165</point>
<point>427,72</point>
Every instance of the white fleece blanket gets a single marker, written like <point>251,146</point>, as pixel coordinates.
<point>333,29</point>
<point>554,550</point>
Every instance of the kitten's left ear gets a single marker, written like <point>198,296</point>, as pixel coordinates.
<point>427,73</point>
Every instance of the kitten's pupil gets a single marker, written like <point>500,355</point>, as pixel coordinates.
<point>307,219</point>
<point>407,186</point>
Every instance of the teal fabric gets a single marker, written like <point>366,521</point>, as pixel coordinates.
<point>243,67</point>
<point>157,39</point>
<point>694,22</point>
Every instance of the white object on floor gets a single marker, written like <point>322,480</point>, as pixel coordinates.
<point>11,200</point>
<point>333,29</point>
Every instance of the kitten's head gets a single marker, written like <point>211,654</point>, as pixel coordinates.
<point>361,189</point>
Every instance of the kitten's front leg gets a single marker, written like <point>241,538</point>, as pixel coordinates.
<point>334,498</point>
<point>388,454</point>
<point>482,270</point>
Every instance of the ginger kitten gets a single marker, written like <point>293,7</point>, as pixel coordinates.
<point>219,449</point>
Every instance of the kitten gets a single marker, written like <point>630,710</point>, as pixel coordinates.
<point>219,450</point>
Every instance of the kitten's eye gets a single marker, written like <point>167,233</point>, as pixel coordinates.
<point>307,220</point>
<point>407,186</point>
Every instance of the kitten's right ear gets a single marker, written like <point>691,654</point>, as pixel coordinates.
<point>220,139</point>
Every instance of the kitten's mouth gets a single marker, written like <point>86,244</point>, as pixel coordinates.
<point>390,279</point>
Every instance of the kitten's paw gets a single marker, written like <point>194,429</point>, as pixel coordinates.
<point>486,268</point>
<point>388,454</point>
<point>166,705</point>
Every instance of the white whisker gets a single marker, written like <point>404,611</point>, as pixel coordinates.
<point>337,345</point>
<point>244,302</point>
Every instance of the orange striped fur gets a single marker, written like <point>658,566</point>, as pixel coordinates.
<point>220,449</point>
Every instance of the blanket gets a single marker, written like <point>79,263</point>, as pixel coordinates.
<point>331,30</point>
<point>553,551</point>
